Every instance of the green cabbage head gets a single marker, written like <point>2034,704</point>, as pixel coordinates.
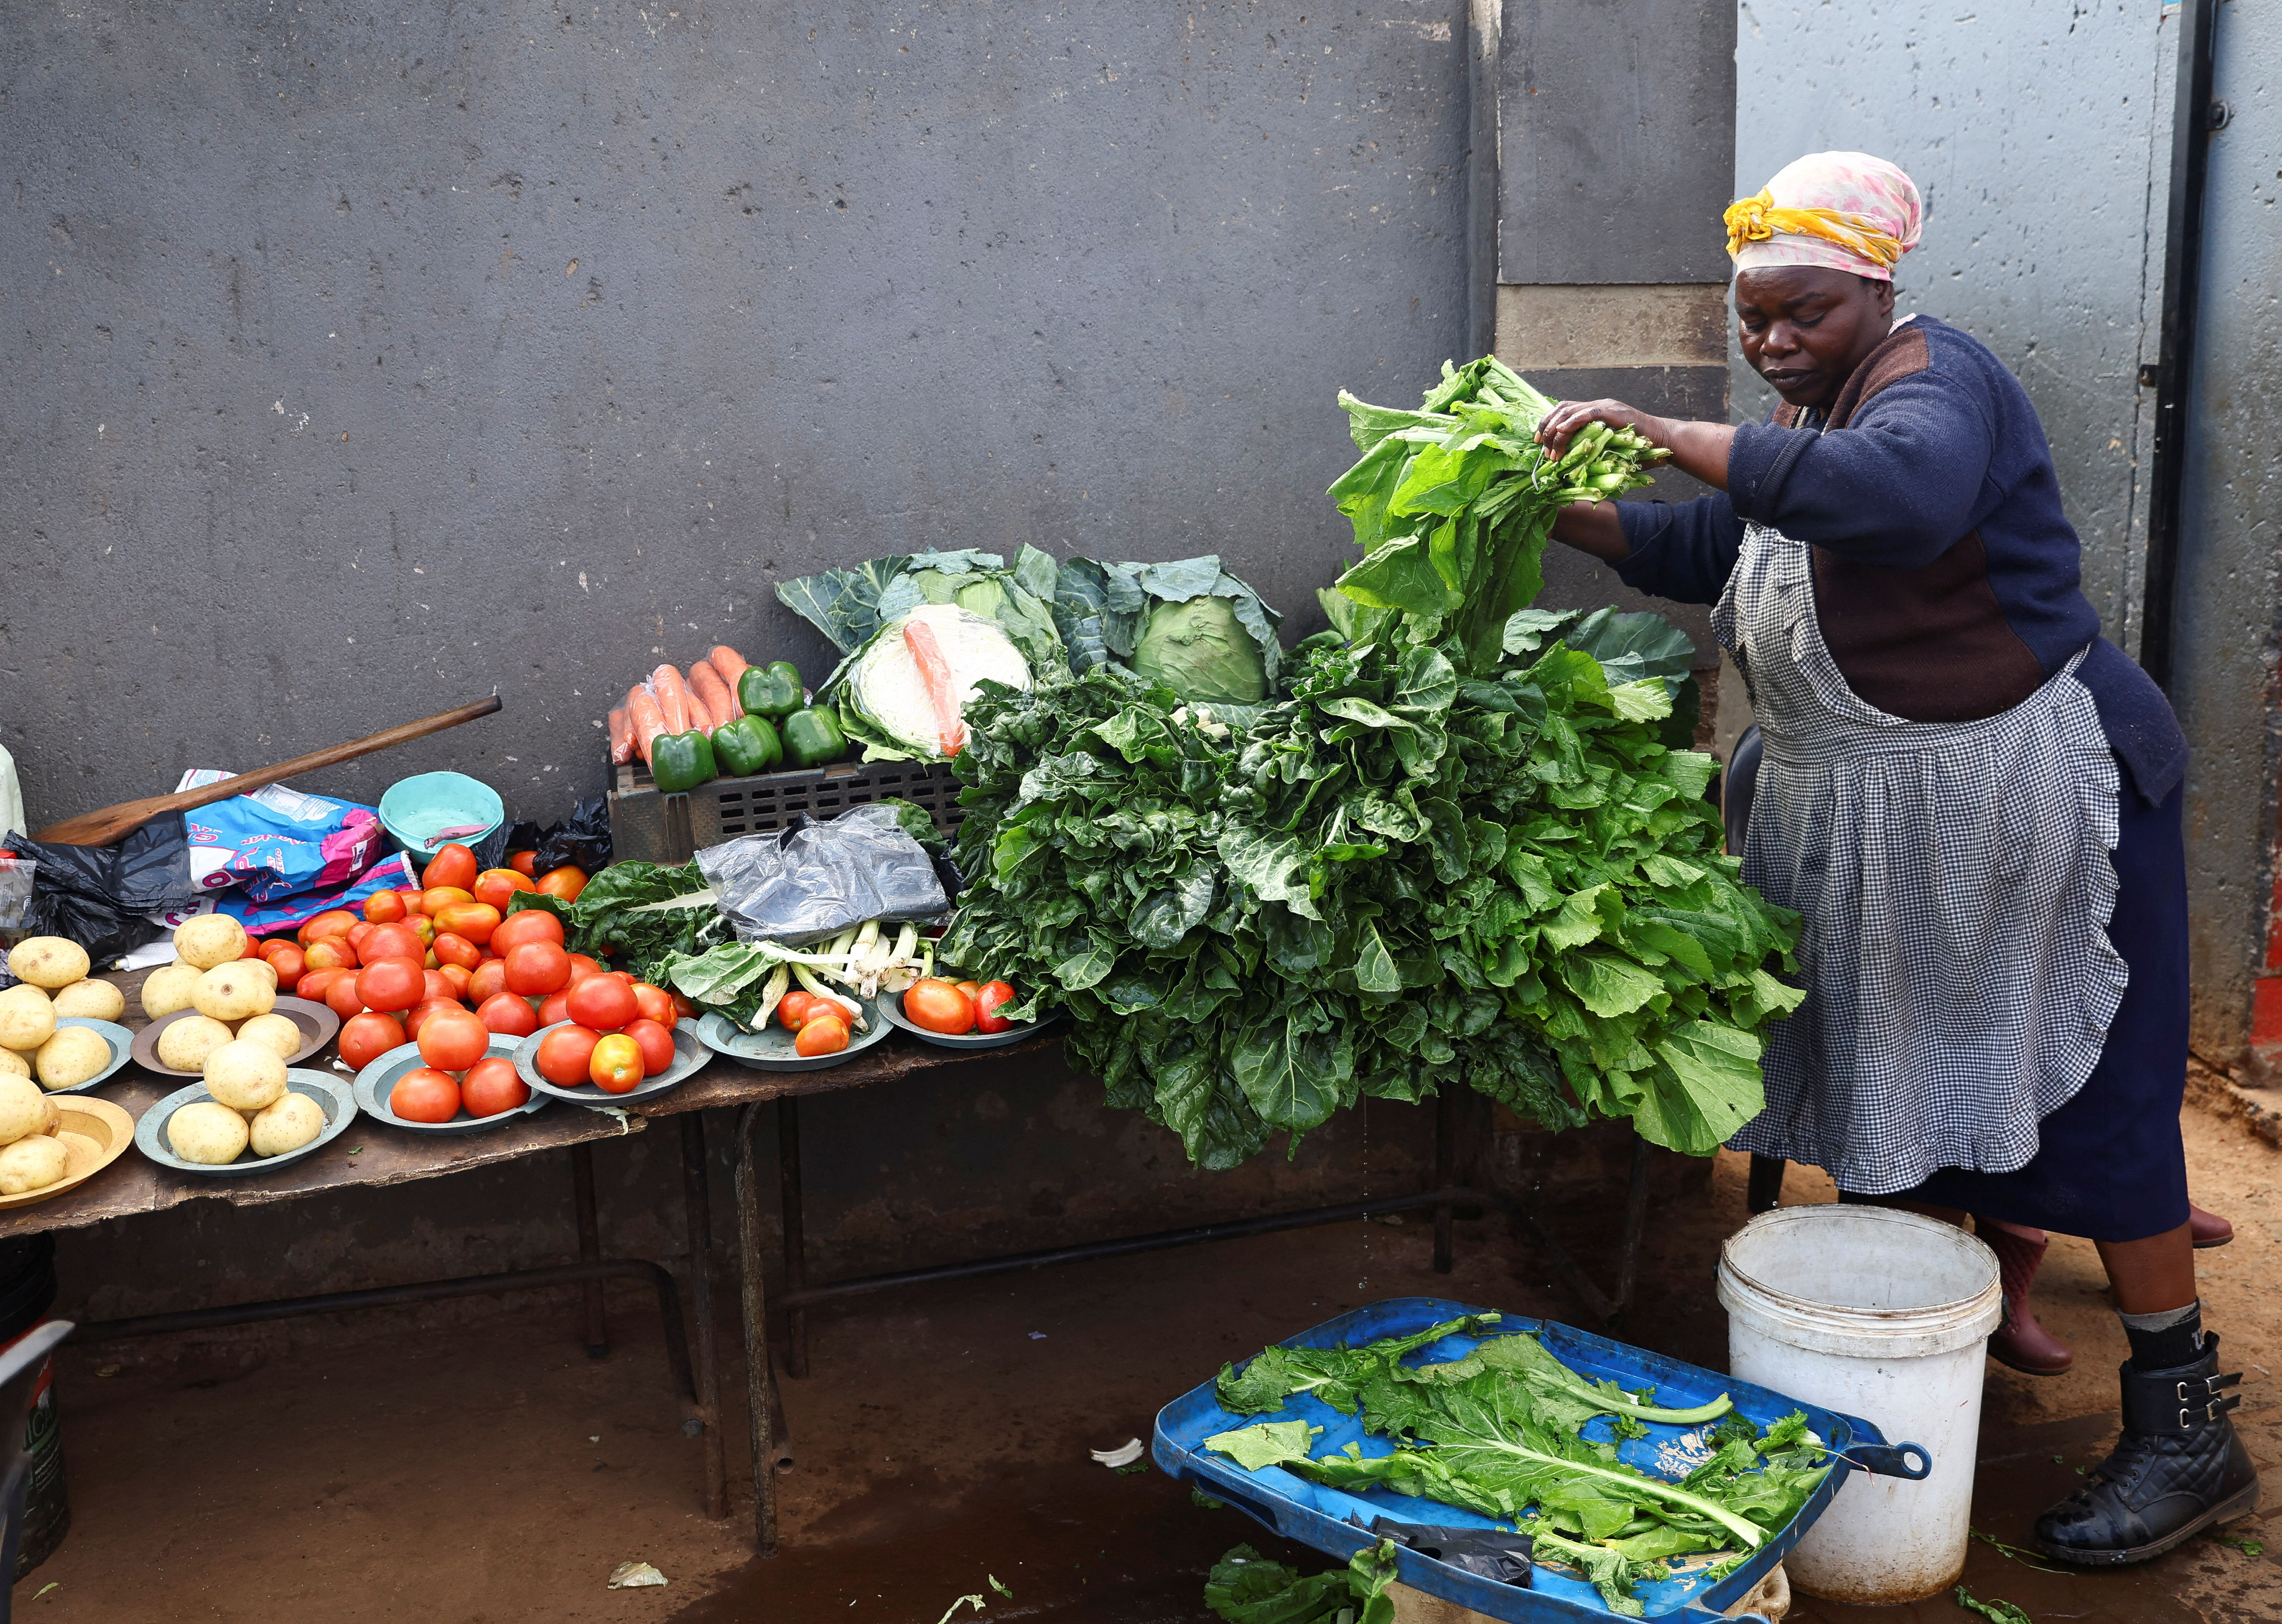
<point>1200,649</point>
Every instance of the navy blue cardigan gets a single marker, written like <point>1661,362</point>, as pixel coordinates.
<point>1946,575</point>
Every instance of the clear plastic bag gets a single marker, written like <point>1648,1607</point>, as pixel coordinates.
<point>816,879</point>
<point>16,878</point>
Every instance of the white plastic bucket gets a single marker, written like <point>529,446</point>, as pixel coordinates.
<point>1882,1314</point>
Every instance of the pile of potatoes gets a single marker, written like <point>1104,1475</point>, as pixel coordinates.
<point>32,1156</point>
<point>52,982</point>
<point>232,995</point>
<point>251,1106</point>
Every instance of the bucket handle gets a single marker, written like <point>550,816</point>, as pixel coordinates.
<point>1912,1461</point>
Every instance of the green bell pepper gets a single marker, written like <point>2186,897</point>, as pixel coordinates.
<point>812,737</point>
<point>680,762</point>
<point>772,690</point>
<point>747,745</point>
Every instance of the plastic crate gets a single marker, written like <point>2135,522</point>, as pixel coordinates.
<point>1335,1521</point>
<point>649,827</point>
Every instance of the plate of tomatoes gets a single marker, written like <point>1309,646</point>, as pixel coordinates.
<point>635,1060</point>
<point>404,1089</point>
<point>960,1014</point>
<point>802,1033</point>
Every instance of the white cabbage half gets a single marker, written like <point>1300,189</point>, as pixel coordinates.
<point>885,684</point>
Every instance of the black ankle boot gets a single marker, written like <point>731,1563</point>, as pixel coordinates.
<point>2178,1469</point>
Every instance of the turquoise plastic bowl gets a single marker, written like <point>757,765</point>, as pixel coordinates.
<point>416,810</point>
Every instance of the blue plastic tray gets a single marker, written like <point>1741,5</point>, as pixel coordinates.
<point>1335,1521</point>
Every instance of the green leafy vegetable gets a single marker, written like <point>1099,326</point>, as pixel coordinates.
<point>1996,1610</point>
<point>850,606</point>
<point>1188,624</point>
<point>643,914</point>
<point>1245,1588</point>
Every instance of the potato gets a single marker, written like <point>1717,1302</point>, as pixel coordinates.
<point>23,1108</point>
<point>263,967</point>
<point>210,939</point>
<point>208,1133</point>
<point>72,1056</point>
<point>245,1076</point>
<point>13,1064</point>
<point>288,1124</point>
<point>92,1001</point>
<point>184,1046</point>
<point>26,1018</point>
<point>233,992</point>
<point>278,1031</point>
<point>32,1164</point>
<point>48,961</point>
<point>169,989</point>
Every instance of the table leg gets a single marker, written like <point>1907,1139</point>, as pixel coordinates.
<point>597,1336</point>
<point>796,1247</point>
<point>698,1221</point>
<point>1445,1134</point>
<point>760,1373</point>
<point>1635,1225</point>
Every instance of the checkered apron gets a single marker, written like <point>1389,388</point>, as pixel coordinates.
<point>1956,887</point>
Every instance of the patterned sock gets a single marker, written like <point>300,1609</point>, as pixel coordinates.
<point>2165,1341</point>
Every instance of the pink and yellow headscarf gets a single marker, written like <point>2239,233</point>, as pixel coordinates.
<point>1847,211</point>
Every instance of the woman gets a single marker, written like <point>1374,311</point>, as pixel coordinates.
<point>1970,796</point>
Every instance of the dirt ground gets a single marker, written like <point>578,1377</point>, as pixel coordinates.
<point>479,1467</point>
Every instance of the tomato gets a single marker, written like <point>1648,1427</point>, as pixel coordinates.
<point>492,1087</point>
<point>603,1002</point>
<point>987,1017</point>
<point>496,886</point>
<point>656,1043</point>
<point>332,921</point>
<point>792,1008</point>
<point>654,1004</point>
<point>526,925</point>
<point>359,934</point>
<point>331,953</point>
<point>450,949</point>
<point>461,979</point>
<point>523,862</point>
<point>390,941</point>
<point>342,997</point>
<point>508,1016</point>
<point>425,1096</point>
<point>383,907</point>
<point>452,865</point>
<point>489,980</point>
<point>313,983</point>
<point>392,985</point>
<point>366,1038</point>
<point>437,985</point>
<point>554,1009</point>
<point>564,1055</point>
<point>972,989</point>
<point>418,1016</point>
<point>615,1064</point>
<point>290,963</point>
<point>538,968</point>
<point>476,921</point>
<point>436,899</point>
<point>936,1005</point>
<point>565,882</point>
<point>421,926</point>
<point>683,1010</point>
<point>827,1035</point>
<point>454,1040</point>
<point>582,967</point>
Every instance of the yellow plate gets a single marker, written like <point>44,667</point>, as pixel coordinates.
<point>95,1133</point>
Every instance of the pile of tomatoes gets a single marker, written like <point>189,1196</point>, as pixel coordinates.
<point>935,1003</point>
<point>819,1025</point>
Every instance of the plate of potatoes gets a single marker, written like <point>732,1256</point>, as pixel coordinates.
<point>81,1053</point>
<point>177,1044</point>
<point>250,1114</point>
<point>58,1026</point>
<point>49,1144</point>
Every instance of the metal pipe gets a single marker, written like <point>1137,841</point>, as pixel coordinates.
<point>760,1375</point>
<point>795,1244</point>
<point>597,1334</point>
<point>697,1224</point>
<point>2193,117</point>
<point>669,1305</point>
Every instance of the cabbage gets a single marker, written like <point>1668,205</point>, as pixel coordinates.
<point>850,606</point>
<point>1189,625</point>
<point>1202,651</point>
<point>883,703</point>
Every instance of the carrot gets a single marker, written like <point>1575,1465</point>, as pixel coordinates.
<point>648,719</point>
<point>672,698</point>
<point>709,694</point>
<point>622,736</point>
<point>941,690</point>
<point>731,664</point>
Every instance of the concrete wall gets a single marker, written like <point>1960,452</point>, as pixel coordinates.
<point>358,362</point>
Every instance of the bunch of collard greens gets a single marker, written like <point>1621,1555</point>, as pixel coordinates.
<point>1245,1588</point>
<point>647,914</point>
<point>1499,1431</point>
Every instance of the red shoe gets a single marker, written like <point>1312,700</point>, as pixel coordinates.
<point>2207,1228</point>
<point>2020,1342</point>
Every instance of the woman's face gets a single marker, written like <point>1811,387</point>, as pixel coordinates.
<point>1805,327</point>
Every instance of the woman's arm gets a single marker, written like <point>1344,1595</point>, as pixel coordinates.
<point>1699,449</point>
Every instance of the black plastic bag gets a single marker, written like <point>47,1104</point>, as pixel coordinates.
<point>816,879</point>
<point>582,841</point>
<point>100,896</point>
<point>1487,1553</point>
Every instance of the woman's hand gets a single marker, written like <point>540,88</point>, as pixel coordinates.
<point>1561,424</point>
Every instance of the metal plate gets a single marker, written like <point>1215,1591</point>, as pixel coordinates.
<point>688,1056</point>
<point>122,1049</point>
<point>333,1097</point>
<point>373,1084</point>
<point>771,1049</point>
<point>892,1006</point>
<point>95,1133</point>
<point>317,1023</point>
